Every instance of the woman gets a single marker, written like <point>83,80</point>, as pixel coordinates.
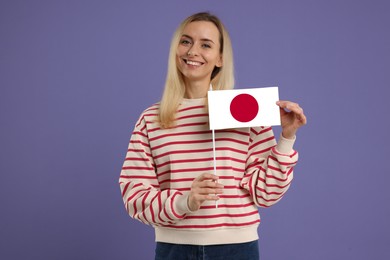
<point>167,178</point>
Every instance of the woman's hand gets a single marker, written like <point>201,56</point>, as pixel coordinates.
<point>203,188</point>
<point>292,119</point>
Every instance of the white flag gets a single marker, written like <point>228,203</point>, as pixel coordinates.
<point>243,108</point>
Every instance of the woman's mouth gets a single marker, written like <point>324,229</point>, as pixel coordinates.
<point>193,63</point>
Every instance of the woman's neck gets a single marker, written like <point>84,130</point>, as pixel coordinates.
<point>197,89</point>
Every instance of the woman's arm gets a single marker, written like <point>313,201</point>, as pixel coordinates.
<point>141,193</point>
<point>270,166</point>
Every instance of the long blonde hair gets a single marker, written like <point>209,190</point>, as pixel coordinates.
<point>221,78</point>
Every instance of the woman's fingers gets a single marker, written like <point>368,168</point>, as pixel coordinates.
<point>207,176</point>
<point>203,188</point>
<point>291,106</point>
<point>294,108</point>
<point>207,180</point>
<point>207,184</point>
<point>207,187</point>
<point>201,197</point>
<point>301,117</point>
<point>292,117</point>
<point>209,191</point>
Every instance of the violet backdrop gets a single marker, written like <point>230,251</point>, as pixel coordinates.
<point>75,75</point>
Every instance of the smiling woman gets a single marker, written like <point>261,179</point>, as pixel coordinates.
<point>183,48</point>
<point>198,54</point>
<point>167,179</point>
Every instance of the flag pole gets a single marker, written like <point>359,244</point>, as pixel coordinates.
<point>215,162</point>
<point>214,156</point>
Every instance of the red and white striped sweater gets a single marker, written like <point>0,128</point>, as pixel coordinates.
<point>161,165</point>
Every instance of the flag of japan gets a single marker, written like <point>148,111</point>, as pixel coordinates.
<point>243,108</point>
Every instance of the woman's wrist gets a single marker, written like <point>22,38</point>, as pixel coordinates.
<point>289,134</point>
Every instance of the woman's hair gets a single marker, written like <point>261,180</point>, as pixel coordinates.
<point>221,77</point>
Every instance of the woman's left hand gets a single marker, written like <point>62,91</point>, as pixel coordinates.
<point>292,119</point>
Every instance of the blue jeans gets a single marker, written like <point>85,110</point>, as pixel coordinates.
<point>243,251</point>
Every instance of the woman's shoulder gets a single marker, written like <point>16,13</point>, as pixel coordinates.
<point>150,114</point>
<point>152,109</point>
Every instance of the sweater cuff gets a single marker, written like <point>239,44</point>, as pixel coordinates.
<point>181,204</point>
<point>285,146</point>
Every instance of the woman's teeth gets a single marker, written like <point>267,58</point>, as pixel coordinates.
<point>194,63</point>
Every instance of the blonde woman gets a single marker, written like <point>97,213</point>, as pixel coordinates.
<point>167,178</point>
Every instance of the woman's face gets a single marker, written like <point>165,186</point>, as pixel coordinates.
<point>198,51</point>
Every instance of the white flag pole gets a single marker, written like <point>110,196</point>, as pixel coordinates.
<point>214,156</point>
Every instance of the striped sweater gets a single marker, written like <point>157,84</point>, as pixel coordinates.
<point>161,164</point>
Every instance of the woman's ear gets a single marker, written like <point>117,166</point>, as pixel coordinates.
<point>219,62</point>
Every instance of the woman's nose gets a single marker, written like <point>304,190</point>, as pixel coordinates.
<point>193,51</point>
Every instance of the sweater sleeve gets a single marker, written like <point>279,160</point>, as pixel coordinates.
<point>269,166</point>
<point>141,193</point>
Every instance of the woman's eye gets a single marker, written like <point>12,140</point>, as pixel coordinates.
<point>185,42</point>
<point>206,45</point>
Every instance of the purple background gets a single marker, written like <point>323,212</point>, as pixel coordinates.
<point>75,75</point>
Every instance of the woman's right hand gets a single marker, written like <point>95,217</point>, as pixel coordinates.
<point>204,187</point>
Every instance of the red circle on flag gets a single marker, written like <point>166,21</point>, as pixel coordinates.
<point>244,108</point>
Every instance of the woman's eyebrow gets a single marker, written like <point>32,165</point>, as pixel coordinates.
<point>203,39</point>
